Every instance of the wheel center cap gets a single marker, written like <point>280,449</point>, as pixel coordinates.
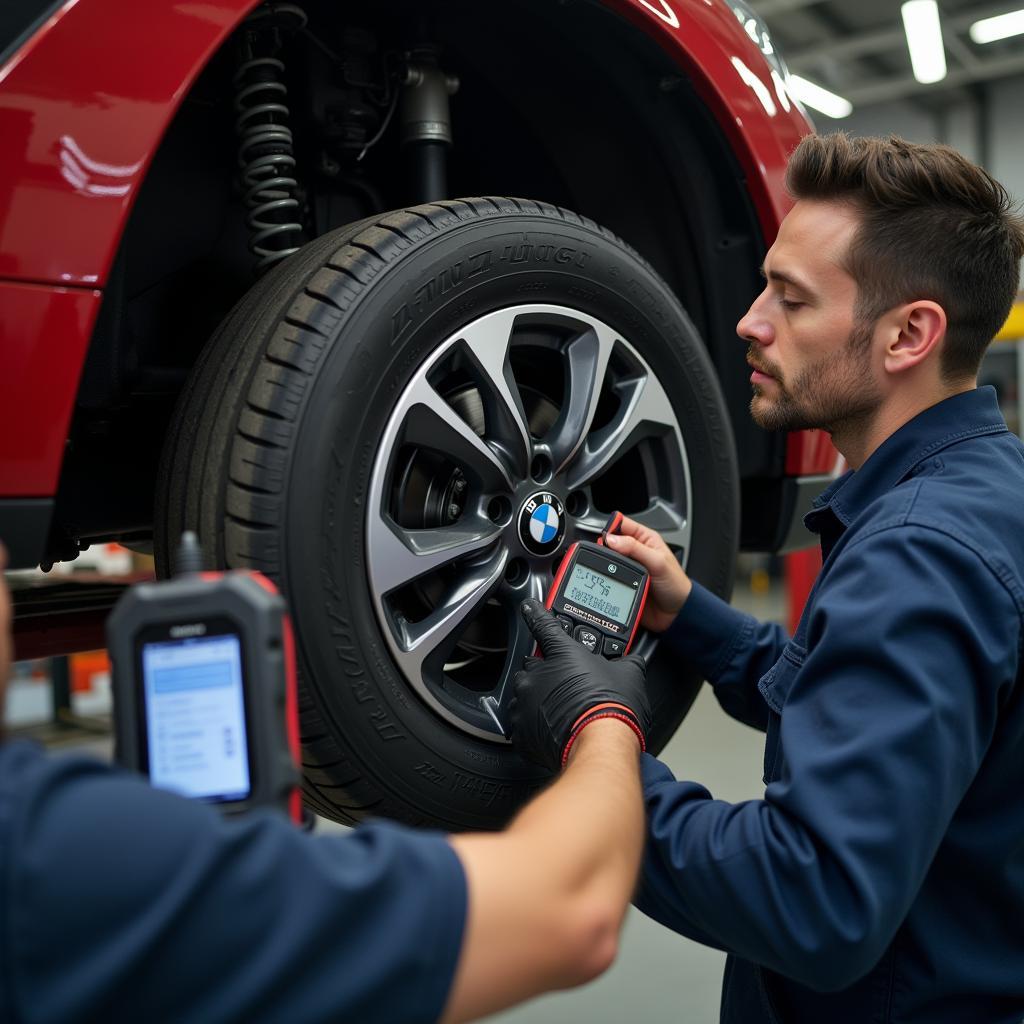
<point>541,523</point>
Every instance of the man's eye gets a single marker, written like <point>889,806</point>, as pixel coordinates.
<point>788,304</point>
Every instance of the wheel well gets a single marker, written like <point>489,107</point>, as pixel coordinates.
<point>560,102</point>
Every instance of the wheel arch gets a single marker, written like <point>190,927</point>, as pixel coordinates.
<point>697,199</point>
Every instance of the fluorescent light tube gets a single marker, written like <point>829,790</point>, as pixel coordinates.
<point>822,100</point>
<point>924,39</point>
<point>990,29</point>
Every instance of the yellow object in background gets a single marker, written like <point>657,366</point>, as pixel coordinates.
<point>1013,329</point>
<point>760,581</point>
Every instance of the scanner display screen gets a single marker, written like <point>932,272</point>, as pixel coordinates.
<point>195,717</point>
<point>600,593</point>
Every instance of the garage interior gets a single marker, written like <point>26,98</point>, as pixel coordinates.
<point>855,74</point>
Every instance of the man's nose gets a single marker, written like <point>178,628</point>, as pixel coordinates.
<point>755,326</point>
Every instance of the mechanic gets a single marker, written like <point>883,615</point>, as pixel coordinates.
<point>881,878</point>
<point>119,901</point>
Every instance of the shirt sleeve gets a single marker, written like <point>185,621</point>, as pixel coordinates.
<point>731,649</point>
<point>129,903</point>
<point>913,647</point>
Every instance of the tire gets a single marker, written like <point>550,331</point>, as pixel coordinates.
<point>366,428</point>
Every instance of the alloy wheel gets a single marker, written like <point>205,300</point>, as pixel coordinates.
<point>520,434</point>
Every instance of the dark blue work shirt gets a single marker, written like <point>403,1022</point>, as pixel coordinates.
<point>881,878</point>
<point>122,903</point>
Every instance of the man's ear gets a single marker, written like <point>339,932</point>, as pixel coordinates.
<point>914,333</point>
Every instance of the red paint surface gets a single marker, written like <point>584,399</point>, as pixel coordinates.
<point>80,125</point>
<point>809,453</point>
<point>44,333</point>
<point>707,44</point>
<point>802,568</point>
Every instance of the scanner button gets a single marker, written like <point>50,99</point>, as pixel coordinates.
<point>587,637</point>
<point>565,623</point>
<point>613,647</point>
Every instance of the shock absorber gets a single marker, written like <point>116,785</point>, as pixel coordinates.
<point>426,123</point>
<point>266,155</point>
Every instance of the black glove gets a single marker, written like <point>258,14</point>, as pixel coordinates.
<point>556,696</point>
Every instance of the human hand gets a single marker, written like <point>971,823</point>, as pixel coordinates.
<point>556,696</point>
<point>670,586</point>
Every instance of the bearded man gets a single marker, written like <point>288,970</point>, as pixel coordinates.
<point>881,877</point>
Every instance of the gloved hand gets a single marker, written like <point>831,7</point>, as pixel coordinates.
<point>557,696</point>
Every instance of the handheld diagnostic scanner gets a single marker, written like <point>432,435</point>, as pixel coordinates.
<point>598,596</point>
<point>204,685</point>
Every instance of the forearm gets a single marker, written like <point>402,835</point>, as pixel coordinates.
<point>597,811</point>
<point>548,895</point>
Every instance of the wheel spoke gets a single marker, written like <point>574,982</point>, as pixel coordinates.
<point>661,517</point>
<point>432,423</point>
<point>436,635</point>
<point>593,522</point>
<point>586,359</point>
<point>644,411</point>
<point>520,644</point>
<point>487,341</point>
<point>401,555</point>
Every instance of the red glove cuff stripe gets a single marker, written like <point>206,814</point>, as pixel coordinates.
<point>614,705</point>
<point>594,715</point>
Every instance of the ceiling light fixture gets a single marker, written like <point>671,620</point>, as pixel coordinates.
<point>924,39</point>
<point>811,95</point>
<point>988,30</point>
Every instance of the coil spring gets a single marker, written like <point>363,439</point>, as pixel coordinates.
<point>265,151</point>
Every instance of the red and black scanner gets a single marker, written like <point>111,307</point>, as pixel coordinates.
<point>598,596</point>
<point>204,687</point>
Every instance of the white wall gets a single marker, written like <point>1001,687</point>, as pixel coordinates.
<point>1006,135</point>
<point>988,127</point>
<point>898,118</point>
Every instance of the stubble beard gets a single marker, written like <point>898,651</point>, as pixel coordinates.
<point>835,394</point>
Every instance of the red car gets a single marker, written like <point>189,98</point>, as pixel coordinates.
<point>238,294</point>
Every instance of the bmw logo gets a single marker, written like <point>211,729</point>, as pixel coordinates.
<point>542,523</point>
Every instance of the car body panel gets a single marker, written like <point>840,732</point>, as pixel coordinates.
<point>44,335</point>
<point>811,452</point>
<point>751,104</point>
<point>81,127</point>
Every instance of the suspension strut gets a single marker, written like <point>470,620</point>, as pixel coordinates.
<point>266,155</point>
<point>426,123</point>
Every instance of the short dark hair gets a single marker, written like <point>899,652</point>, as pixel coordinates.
<point>934,226</point>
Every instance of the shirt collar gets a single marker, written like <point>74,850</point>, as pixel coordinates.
<point>953,419</point>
